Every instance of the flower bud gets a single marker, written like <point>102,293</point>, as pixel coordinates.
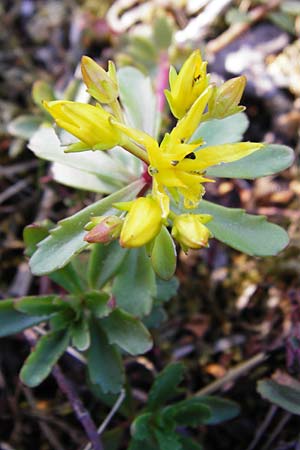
<point>103,229</point>
<point>91,124</point>
<point>142,223</point>
<point>103,86</point>
<point>225,99</point>
<point>189,230</point>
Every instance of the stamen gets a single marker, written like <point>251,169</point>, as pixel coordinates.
<point>152,170</point>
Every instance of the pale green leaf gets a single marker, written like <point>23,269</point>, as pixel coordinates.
<point>222,131</point>
<point>24,126</point>
<point>138,99</point>
<point>286,397</point>
<point>96,164</point>
<point>247,233</point>
<point>221,409</point>
<point>80,179</point>
<point>267,161</point>
<point>66,239</point>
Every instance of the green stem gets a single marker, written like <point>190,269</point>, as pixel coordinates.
<point>117,110</point>
<point>135,150</point>
<point>172,215</point>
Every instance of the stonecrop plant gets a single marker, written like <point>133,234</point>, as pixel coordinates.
<point>174,169</point>
<point>116,258</point>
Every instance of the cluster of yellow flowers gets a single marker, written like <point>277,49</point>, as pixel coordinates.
<point>177,165</point>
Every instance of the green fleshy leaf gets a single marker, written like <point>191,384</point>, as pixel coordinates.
<point>62,320</point>
<point>267,161</point>
<point>222,131</point>
<point>166,289</point>
<point>167,440</point>
<point>189,443</point>
<point>127,332</point>
<point>112,439</point>
<point>66,239</point>
<point>13,321</point>
<point>157,316</point>
<point>80,334</point>
<point>142,427</point>
<point>47,352</point>
<point>40,305</point>
<point>97,303</point>
<point>286,397</point>
<point>283,20</point>
<point>163,255</point>
<point>35,233</point>
<point>104,362</point>
<point>248,233</point>
<point>24,126</point>
<point>41,91</point>
<point>67,277</point>
<point>136,444</point>
<point>164,386</point>
<point>221,409</point>
<point>104,263</point>
<point>138,100</point>
<point>162,32</point>
<point>188,412</point>
<point>134,286</point>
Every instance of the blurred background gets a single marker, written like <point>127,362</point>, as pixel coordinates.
<point>230,307</point>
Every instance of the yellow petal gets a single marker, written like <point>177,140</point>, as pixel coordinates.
<point>210,156</point>
<point>186,127</point>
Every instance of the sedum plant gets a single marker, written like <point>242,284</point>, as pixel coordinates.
<point>152,183</point>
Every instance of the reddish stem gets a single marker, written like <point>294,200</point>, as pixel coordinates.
<point>162,80</point>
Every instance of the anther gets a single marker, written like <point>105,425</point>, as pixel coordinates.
<point>190,156</point>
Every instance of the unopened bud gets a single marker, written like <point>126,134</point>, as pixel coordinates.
<point>142,223</point>
<point>189,230</point>
<point>225,99</point>
<point>102,85</point>
<point>103,229</point>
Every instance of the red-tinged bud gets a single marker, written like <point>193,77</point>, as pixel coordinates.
<point>106,229</point>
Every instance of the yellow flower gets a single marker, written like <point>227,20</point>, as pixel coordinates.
<point>90,124</point>
<point>178,165</point>
<point>142,223</point>
<point>102,85</point>
<point>189,230</point>
<point>187,85</point>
